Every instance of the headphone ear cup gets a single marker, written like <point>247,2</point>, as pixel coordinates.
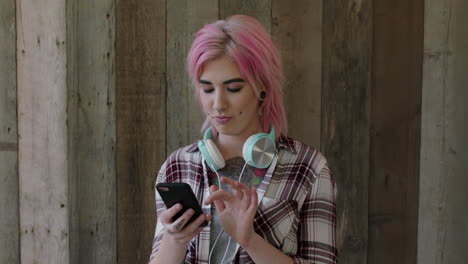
<point>247,149</point>
<point>259,150</point>
<point>215,155</point>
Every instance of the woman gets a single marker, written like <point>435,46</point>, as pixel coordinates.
<point>276,202</point>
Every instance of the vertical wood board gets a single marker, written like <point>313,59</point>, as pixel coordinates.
<point>9,217</point>
<point>395,138</point>
<point>442,232</point>
<point>346,89</point>
<point>91,113</point>
<point>41,62</point>
<point>184,115</point>
<point>297,30</point>
<point>141,122</point>
<point>260,9</point>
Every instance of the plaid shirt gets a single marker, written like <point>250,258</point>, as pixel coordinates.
<point>296,213</point>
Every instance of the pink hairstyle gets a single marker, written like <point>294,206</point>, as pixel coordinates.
<point>246,42</point>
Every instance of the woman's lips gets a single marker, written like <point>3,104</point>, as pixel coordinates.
<point>222,119</point>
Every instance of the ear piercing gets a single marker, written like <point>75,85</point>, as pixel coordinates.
<point>262,95</point>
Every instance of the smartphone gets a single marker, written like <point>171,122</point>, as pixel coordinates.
<point>173,193</point>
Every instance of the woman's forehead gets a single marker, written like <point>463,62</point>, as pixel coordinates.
<point>220,70</point>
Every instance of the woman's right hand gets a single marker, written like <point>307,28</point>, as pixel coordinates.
<point>177,231</point>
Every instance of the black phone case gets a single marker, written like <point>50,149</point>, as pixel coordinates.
<point>173,193</point>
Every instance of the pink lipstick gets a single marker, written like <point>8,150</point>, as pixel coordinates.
<point>222,119</point>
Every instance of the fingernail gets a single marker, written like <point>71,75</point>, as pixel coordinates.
<point>179,206</point>
<point>191,211</point>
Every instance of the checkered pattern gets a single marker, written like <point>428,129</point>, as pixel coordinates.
<point>297,211</point>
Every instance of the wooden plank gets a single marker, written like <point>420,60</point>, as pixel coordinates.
<point>184,117</point>
<point>260,9</point>
<point>395,147</point>
<point>346,87</point>
<point>9,218</point>
<point>442,233</point>
<point>297,29</point>
<point>41,64</point>
<point>141,122</point>
<point>73,128</point>
<point>92,139</point>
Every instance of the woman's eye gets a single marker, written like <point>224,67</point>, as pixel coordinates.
<point>208,90</point>
<point>234,90</point>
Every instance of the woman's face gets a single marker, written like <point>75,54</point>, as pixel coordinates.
<point>228,100</point>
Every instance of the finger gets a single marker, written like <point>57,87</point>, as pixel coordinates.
<point>246,194</point>
<point>181,221</point>
<point>213,188</point>
<point>220,205</point>
<point>229,181</point>
<point>254,200</point>
<point>219,194</point>
<point>192,227</point>
<point>167,214</point>
<point>237,191</point>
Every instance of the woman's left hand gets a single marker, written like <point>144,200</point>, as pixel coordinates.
<point>236,210</point>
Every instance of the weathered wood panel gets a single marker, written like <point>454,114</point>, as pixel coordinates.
<point>297,29</point>
<point>395,138</point>
<point>91,115</point>
<point>41,62</point>
<point>442,232</point>
<point>346,88</point>
<point>72,126</point>
<point>141,122</point>
<point>9,217</point>
<point>260,9</point>
<point>184,116</point>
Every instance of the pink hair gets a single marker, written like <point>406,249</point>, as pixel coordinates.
<point>246,42</point>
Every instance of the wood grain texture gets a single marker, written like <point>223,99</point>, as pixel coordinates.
<point>297,30</point>
<point>260,9</point>
<point>395,138</point>
<point>92,136</point>
<point>346,89</point>
<point>43,187</point>
<point>442,232</point>
<point>141,122</point>
<point>184,115</point>
<point>9,217</point>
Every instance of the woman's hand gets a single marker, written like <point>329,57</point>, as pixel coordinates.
<point>177,232</point>
<point>236,210</point>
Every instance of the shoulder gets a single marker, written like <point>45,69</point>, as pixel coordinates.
<point>187,158</point>
<point>299,154</point>
<point>186,153</point>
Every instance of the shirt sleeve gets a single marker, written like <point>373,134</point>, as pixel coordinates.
<point>161,177</point>
<point>317,231</point>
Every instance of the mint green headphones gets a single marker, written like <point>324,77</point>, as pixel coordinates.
<point>258,150</point>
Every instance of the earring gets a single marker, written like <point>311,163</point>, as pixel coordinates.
<point>262,95</point>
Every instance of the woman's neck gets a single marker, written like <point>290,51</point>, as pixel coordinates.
<point>231,146</point>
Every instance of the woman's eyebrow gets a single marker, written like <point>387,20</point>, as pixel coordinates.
<point>225,82</point>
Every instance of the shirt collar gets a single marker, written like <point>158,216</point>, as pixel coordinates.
<point>283,142</point>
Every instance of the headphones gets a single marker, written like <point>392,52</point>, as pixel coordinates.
<point>258,150</point>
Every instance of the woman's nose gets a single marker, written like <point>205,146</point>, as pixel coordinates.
<point>219,102</point>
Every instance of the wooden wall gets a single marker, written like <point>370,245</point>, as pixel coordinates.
<point>94,96</point>
<point>443,199</point>
<point>9,211</point>
<point>42,131</point>
<point>91,131</point>
<point>395,130</point>
<point>141,122</point>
